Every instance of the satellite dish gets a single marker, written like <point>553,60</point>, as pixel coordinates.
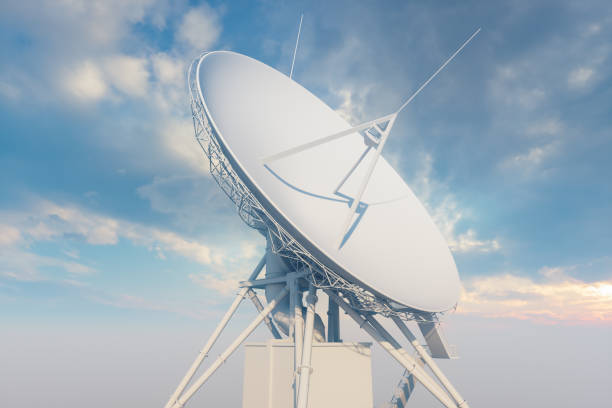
<point>392,247</point>
<point>335,214</point>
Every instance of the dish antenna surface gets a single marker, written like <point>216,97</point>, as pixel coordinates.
<point>335,214</point>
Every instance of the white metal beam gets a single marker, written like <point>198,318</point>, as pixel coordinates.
<point>389,344</point>
<point>267,320</point>
<point>213,338</point>
<point>461,402</point>
<point>304,370</point>
<point>180,402</point>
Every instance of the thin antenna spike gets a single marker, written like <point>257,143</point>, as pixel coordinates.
<point>438,71</point>
<point>296,46</point>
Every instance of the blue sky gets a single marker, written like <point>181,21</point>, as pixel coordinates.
<point>108,218</point>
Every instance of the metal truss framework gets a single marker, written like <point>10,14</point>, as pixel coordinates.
<point>255,216</point>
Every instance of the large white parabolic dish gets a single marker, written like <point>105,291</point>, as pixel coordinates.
<point>393,248</point>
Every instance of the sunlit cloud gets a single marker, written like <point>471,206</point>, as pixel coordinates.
<point>555,298</point>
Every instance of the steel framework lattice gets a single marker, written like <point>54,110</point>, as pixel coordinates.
<point>255,216</point>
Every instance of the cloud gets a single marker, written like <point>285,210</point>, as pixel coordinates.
<point>534,157</point>
<point>176,136</point>
<point>547,127</point>
<point>580,77</point>
<point>200,28</point>
<point>224,286</point>
<point>554,298</point>
<point>9,235</point>
<point>446,212</point>
<point>48,221</point>
<point>86,82</point>
<point>51,222</point>
<point>22,265</point>
<point>167,70</point>
<point>352,103</point>
<point>127,74</point>
<point>467,242</point>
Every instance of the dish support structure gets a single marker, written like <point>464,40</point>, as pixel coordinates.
<point>302,335</point>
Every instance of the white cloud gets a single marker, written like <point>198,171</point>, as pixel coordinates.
<point>127,74</point>
<point>200,28</point>
<point>9,235</point>
<point>352,104</point>
<point>224,286</point>
<point>532,158</point>
<point>167,70</point>
<point>467,242</point>
<point>48,221</point>
<point>548,127</point>
<point>447,213</point>
<point>85,82</point>
<point>189,249</point>
<point>580,77</point>
<point>177,137</point>
<point>554,298</point>
<point>22,265</point>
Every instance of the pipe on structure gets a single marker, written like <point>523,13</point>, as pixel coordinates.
<point>461,402</point>
<point>276,267</point>
<point>180,402</point>
<point>267,320</point>
<point>213,338</point>
<point>304,369</point>
<point>382,337</point>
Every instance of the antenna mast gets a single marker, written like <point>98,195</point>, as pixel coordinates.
<point>296,46</point>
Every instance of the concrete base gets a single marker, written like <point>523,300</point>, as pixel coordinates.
<point>341,376</point>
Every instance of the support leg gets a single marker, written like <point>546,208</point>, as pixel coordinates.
<point>461,403</point>
<point>404,390</point>
<point>333,322</point>
<point>304,369</point>
<point>228,352</point>
<point>213,338</point>
<point>297,327</point>
<point>387,342</point>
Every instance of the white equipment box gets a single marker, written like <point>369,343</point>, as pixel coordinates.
<point>341,375</point>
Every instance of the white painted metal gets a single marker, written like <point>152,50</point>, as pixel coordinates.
<point>366,178</point>
<point>325,139</point>
<point>297,41</point>
<point>395,250</point>
<point>267,320</point>
<point>304,370</point>
<point>461,402</point>
<point>436,341</point>
<point>228,352</point>
<point>382,337</point>
<point>403,391</point>
<point>341,375</point>
<point>213,338</point>
<point>297,325</point>
<point>417,368</point>
<point>333,322</point>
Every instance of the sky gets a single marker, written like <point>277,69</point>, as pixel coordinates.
<point>118,252</point>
